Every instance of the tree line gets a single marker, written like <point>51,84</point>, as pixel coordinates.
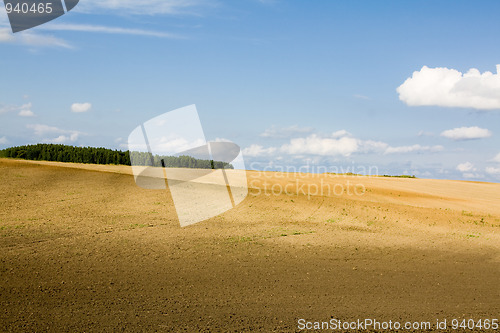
<point>92,155</point>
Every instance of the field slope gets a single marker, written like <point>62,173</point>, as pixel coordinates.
<point>82,248</point>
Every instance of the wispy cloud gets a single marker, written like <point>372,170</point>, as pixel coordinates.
<point>446,87</point>
<point>107,30</point>
<point>358,96</point>
<point>3,140</point>
<point>143,7</point>
<point>467,133</point>
<point>30,38</point>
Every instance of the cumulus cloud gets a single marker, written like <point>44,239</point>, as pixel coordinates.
<point>466,167</point>
<point>52,134</point>
<point>413,149</point>
<point>446,87</point>
<point>340,143</point>
<point>497,158</point>
<point>285,132</point>
<point>467,133</point>
<point>80,107</point>
<point>3,141</point>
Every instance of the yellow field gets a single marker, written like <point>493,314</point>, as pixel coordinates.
<point>84,249</point>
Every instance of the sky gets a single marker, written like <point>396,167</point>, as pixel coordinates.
<point>400,87</point>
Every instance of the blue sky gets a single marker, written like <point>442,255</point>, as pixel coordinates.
<point>292,82</point>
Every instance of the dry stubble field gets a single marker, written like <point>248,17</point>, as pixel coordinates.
<point>84,249</point>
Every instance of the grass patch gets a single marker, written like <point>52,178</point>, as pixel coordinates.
<point>399,176</point>
<point>138,225</point>
<point>466,213</point>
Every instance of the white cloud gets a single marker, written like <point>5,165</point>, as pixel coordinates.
<point>257,150</point>
<point>370,146</point>
<point>493,171</point>
<point>44,129</point>
<point>285,132</point>
<point>30,38</point>
<point>80,107</point>
<point>107,30</point>
<point>425,133</point>
<point>6,35</point>
<point>3,140</point>
<point>340,143</point>
<point>143,7</point>
<point>315,145</point>
<point>340,133</point>
<point>222,140</point>
<point>470,175</point>
<point>450,88</point>
<point>26,113</point>
<point>413,149</point>
<point>63,136</point>
<point>466,167</point>
<point>23,110</point>
<point>467,133</point>
<point>61,139</point>
<point>497,158</point>
<point>7,108</point>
